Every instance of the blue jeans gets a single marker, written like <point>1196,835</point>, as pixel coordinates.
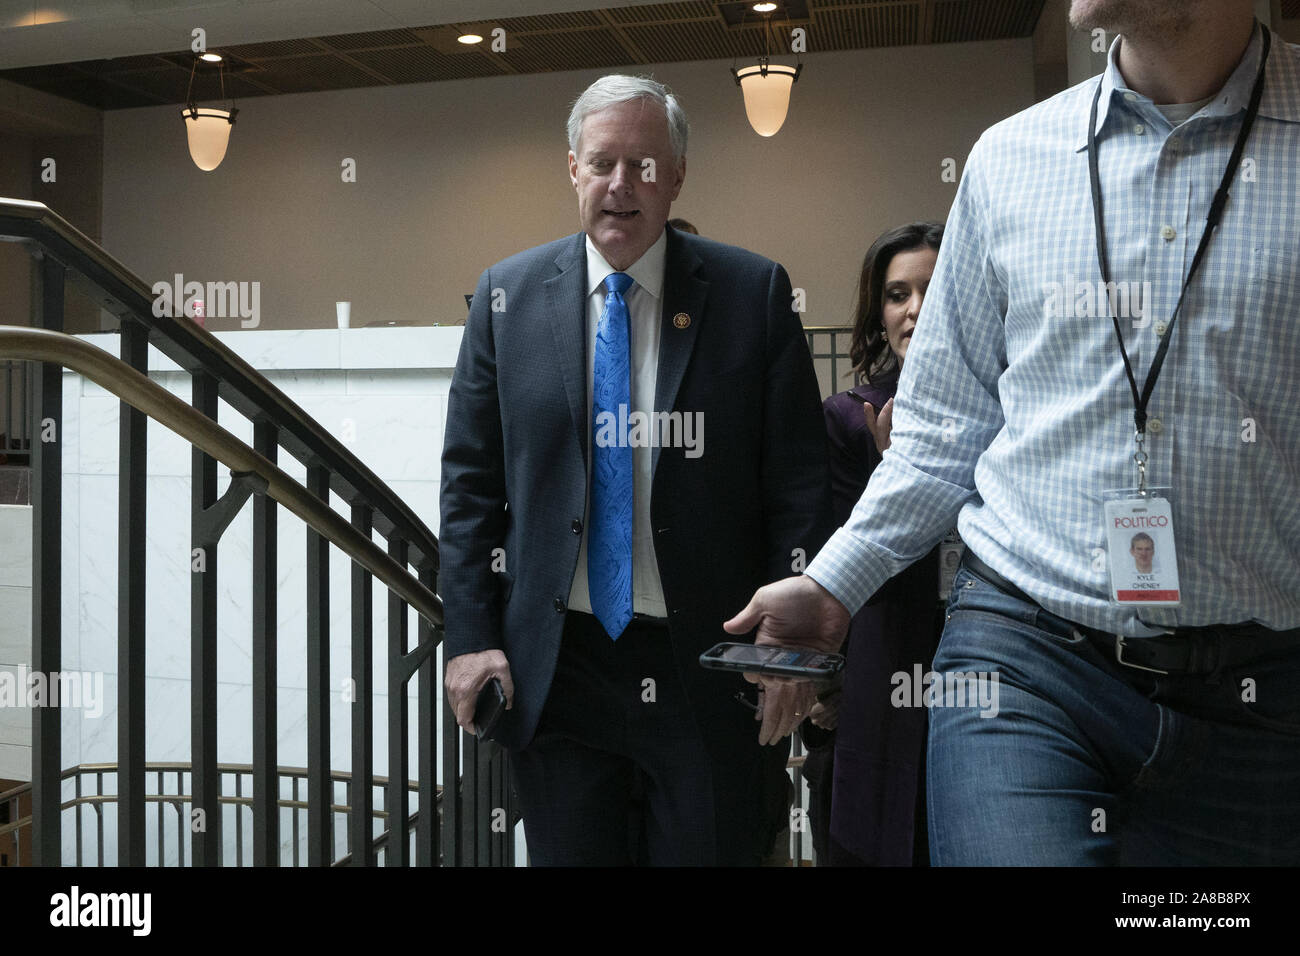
<point>1090,762</point>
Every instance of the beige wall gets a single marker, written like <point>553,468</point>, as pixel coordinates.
<point>36,126</point>
<point>454,176</point>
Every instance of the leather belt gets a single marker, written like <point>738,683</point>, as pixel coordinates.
<point>980,569</point>
<point>1183,650</point>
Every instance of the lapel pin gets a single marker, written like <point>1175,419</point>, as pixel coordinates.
<point>681,320</point>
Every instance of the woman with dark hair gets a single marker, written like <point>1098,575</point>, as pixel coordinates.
<point>877,815</point>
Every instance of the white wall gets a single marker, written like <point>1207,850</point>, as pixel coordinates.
<point>454,176</point>
<point>15,637</point>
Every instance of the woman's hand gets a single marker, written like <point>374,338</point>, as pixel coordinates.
<point>879,425</point>
<point>826,712</point>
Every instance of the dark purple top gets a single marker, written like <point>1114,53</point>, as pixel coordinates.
<point>878,788</point>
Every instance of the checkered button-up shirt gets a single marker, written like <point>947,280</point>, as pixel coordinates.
<point>1013,411</point>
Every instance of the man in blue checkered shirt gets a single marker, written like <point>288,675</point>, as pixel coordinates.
<point>1071,723</point>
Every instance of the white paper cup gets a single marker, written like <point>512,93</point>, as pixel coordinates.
<point>344,310</point>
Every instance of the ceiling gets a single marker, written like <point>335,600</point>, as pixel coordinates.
<point>39,32</point>
<point>143,57</point>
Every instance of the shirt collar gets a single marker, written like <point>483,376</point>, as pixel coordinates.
<point>1281,99</point>
<point>647,272</point>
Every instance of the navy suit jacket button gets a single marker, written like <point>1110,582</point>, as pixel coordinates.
<point>559,605</point>
<point>576,526</point>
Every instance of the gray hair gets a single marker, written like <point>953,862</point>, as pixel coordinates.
<point>616,88</point>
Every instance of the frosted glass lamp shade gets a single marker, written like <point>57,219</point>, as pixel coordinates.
<point>767,95</point>
<point>208,131</point>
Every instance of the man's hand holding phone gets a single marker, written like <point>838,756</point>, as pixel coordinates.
<point>466,676</point>
<point>794,611</point>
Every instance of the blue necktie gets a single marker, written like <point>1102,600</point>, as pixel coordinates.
<point>609,538</point>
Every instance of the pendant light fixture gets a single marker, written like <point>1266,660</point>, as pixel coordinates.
<point>208,128</point>
<point>766,85</point>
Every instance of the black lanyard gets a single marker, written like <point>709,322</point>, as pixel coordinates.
<point>1211,223</point>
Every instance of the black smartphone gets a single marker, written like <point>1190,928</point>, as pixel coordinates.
<point>784,661</point>
<point>489,707</point>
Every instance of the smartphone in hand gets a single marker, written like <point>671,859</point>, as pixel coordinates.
<point>783,661</point>
<point>488,709</point>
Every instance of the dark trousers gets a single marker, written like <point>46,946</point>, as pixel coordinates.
<point>619,774</point>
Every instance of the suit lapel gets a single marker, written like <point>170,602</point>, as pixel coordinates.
<point>566,309</point>
<point>684,293</point>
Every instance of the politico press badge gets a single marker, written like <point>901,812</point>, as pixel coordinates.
<point>1140,542</point>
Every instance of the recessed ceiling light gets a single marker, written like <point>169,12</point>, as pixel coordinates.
<point>469,38</point>
<point>210,57</point>
<point>764,7</point>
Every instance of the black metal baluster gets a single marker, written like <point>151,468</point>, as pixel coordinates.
<point>47,576</point>
<point>503,841</point>
<point>483,802</point>
<point>266,781</point>
<point>181,822</point>
<point>76,819</point>
<point>99,820</point>
<point>320,818</point>
<point>450,800</point>
<point>161,829</point>
<point>205,822</point>
<point>347,829</point>
<point>797,751</point>
<point>469,800</point>
<point>510,811</point>
<point>363,758</point>
<point>397,801</point>
<point>426,827</point>
<point>496,803</point>
<point>239,819</point>
<point>131,497</point>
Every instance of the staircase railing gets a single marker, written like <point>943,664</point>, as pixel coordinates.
<point>833,365</point>
<point>408,569</point>
<point>170,798</point>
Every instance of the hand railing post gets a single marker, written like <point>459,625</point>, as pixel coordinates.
<point>363,758</point>
<point>205,783</point>
<point>426,828</point>
<point>47,576</point>
<point>320,818</point>
<point>397,800</point>
<point>266,781</point>
<point>452,845</point>
<point>132,478</point>
<point>470,821</point>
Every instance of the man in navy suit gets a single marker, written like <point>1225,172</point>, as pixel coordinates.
<point>634,443</point>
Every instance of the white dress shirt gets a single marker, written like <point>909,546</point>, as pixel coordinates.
<point>645,306</point>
